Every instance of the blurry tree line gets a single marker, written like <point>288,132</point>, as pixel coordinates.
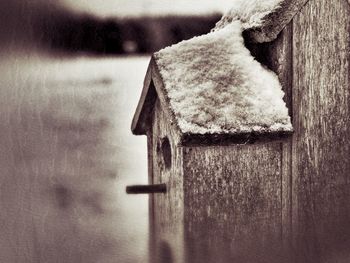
<point>48,24</point>
<point>120,36</point>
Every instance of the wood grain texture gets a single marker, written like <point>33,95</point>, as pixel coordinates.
<point>151,210</point>
<point>141,120</point>
<point>168,208</point>
<point>277,55</point>
<point>321,146</point>
<point>225,139</point>
<point>233,203</point>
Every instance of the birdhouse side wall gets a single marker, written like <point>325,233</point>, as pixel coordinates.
<point>167,214</point>
<point>232,198</point>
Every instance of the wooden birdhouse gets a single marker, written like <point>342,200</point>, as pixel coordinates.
<point>247,131</point>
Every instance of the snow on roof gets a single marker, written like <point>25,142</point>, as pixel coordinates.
<point>215,86</point>
<point>250,12</point>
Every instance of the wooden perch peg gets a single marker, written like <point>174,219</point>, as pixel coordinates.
<point>146,189</point>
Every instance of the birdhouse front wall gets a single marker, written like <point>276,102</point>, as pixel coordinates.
<point>233,200</point>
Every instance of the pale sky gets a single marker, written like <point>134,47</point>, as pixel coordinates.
<point>107,8</point>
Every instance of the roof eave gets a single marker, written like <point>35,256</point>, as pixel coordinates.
<point>138,125</point>
<point>153,88</point>
<point>234,138</point>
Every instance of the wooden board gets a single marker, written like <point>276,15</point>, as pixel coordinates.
<point>277,56</point>
<point>233,203</point>
<point>168,208</point>
<point>321,146</point>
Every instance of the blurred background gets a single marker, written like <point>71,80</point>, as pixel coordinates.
<point>71,76</point>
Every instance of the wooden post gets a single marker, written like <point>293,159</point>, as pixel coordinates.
<point>146,189</point>
<point>321,145</point>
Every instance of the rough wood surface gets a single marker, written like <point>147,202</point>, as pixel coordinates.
<point>321,146</point>
<point>277,55</point>
<point>168,208</point>
<point>231,139</point>
<point>141,120</point>
<point>146,189</point>
<point>232,202</point>
<point>151,210</point>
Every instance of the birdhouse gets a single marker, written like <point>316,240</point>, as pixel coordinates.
<point>247,131</point>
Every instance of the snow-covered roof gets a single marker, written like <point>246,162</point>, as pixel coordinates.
<point>251,13</point>
<point>262,20</point>
<point>214,85</point>
<point>211,85</point>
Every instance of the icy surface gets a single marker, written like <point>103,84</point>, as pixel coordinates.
<point>250,12</point>
<point>214,85</point>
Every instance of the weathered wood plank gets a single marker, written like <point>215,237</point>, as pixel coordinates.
<point>151,211</point>
<point>146,189</point>
<point>233,203</point>
<point>147,99</point>
<point>278,57</point>
<point>232,139</point>
<point>321,148</point>
<point>168,208</point>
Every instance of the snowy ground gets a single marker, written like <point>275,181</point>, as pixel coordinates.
<point>66,155</point>
<point>148,7</point>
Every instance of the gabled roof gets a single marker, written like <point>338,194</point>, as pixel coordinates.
<point>211,86</point>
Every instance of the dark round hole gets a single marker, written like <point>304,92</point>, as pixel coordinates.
<point>166,152</point>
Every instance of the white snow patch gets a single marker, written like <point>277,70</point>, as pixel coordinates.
<point>215,85</point>
<point>136,8</point>
<point>250,12</point>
